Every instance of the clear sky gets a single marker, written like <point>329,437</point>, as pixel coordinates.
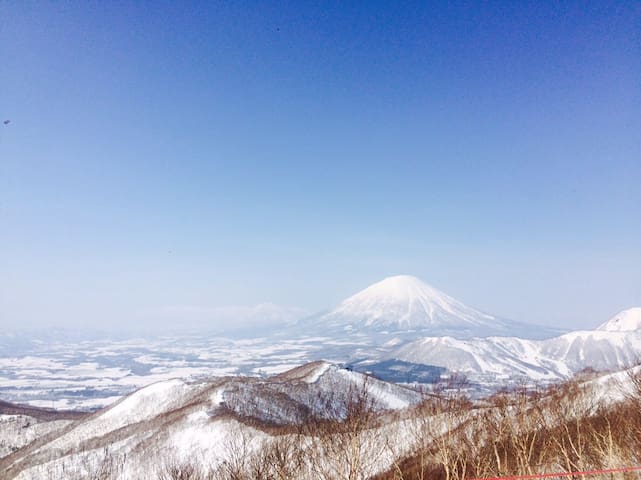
<point>179,157</point>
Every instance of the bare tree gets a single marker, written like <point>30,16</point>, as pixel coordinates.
<point>174,470</point>
<point>342,443</point>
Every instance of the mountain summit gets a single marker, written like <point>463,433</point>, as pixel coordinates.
<point>406,302</point>
<point>625,321</point>
<point>404,305</point>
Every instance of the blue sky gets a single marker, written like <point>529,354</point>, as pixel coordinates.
<point>205,155</point>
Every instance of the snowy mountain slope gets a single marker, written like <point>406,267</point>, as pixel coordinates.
<point>405,302</point>
<point>625,321</point>
<point>509,357</point>
<point>326,377</point>
<point>201,426</point>
<point>405,306</point>
<point>498,357</point>
<point>598,349</point>
<point>22,424</point>
<point>16,431</point>
<point>617,386</point>
<point>198,418</point>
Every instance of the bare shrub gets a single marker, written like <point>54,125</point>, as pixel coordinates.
<point>105,466</point>
<point>521,432</point>
<point>281,459</point>
<point>341,441</point>
<point>174,470</point>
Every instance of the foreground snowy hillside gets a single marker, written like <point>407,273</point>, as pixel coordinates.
<point>181,421</point>
<point>320,421</point>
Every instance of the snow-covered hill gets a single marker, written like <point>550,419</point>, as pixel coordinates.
<point>482,359</point>
<point>598,349</point>
<point>613,346</point>
<point>228,423</point>
<point>199,420</point>
<point>406,306</point>
<point>625,321</point>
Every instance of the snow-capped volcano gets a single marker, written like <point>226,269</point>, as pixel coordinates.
<point>407,302</point>
<point>404,303</point>
<point>625,321</point>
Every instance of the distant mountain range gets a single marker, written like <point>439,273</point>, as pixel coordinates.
<point>399,329</point>
<point>406,320</point>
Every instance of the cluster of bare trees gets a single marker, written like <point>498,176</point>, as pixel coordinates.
<point>564,428</point>
<point>103,465</point>
<point>524,431</point>
<point>339,441</point>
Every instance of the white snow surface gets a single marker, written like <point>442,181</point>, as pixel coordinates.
<point>509,357</point>
<point>148,402</point>
<point>199,420</point>
<point>624,321</point>
<point>617,386</point>
<point>384,395</point>
<point>404,304</point>
<point>404,301</point>
<point>179,421</point>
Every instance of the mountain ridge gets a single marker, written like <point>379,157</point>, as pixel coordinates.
<point>624,321</point>
<point>542,360</point>
<point>406,306</point>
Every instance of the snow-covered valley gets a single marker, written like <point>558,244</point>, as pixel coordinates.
<point>399,329</point>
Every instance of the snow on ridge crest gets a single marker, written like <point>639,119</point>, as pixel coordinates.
<point>504,357</point>
<point>149,401</point>
<point>406,301</point>
<point>624,321</point>
<point>306,373</point>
